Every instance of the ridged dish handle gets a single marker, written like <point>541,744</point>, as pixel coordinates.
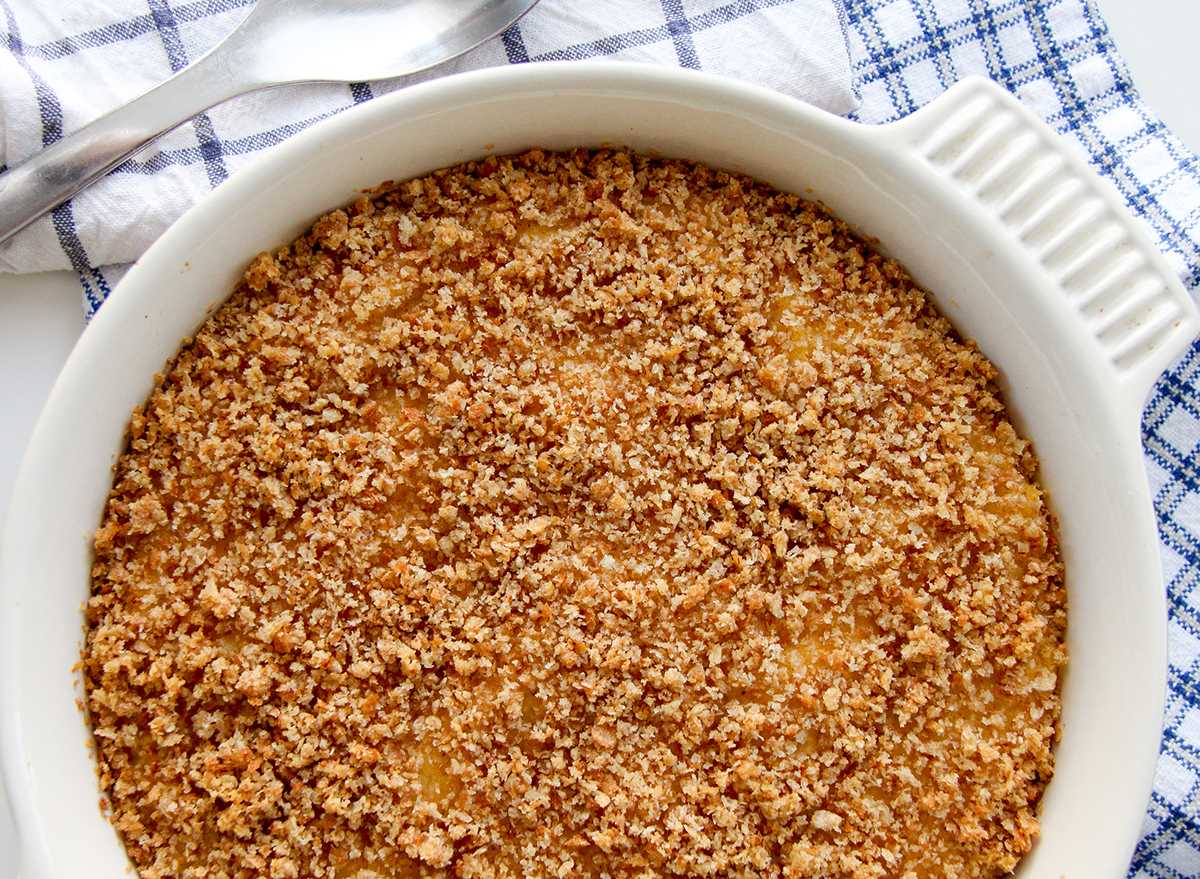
<point>1123,296</point>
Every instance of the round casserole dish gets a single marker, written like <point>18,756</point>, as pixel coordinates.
<point>1022,247</point>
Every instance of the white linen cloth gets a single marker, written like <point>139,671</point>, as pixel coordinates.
<point>68,61</point>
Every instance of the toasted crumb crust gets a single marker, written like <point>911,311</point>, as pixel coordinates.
<point>575,515</point>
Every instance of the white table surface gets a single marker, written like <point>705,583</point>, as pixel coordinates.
<point>41,315</point>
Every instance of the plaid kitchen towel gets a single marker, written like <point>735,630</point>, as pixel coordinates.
<point>68,61</point>
<point>1057,57</point>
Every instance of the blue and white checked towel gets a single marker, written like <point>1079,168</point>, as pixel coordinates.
<point>892,55</point>
<point>1057,57</point>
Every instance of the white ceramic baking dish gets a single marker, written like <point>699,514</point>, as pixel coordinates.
<point>1021,245</point>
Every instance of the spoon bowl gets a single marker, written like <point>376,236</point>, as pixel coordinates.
<point>388,38</point>
<point>278,42</point>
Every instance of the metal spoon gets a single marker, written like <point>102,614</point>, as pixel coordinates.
<point>279,42</point>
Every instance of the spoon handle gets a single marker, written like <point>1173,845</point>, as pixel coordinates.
<point>50,177</point>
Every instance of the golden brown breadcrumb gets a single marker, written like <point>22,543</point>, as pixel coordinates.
<point>583,515</point>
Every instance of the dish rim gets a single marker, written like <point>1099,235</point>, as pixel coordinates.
<point>113,322</point>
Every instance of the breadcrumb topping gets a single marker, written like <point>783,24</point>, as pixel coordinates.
<point>576,514</point>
